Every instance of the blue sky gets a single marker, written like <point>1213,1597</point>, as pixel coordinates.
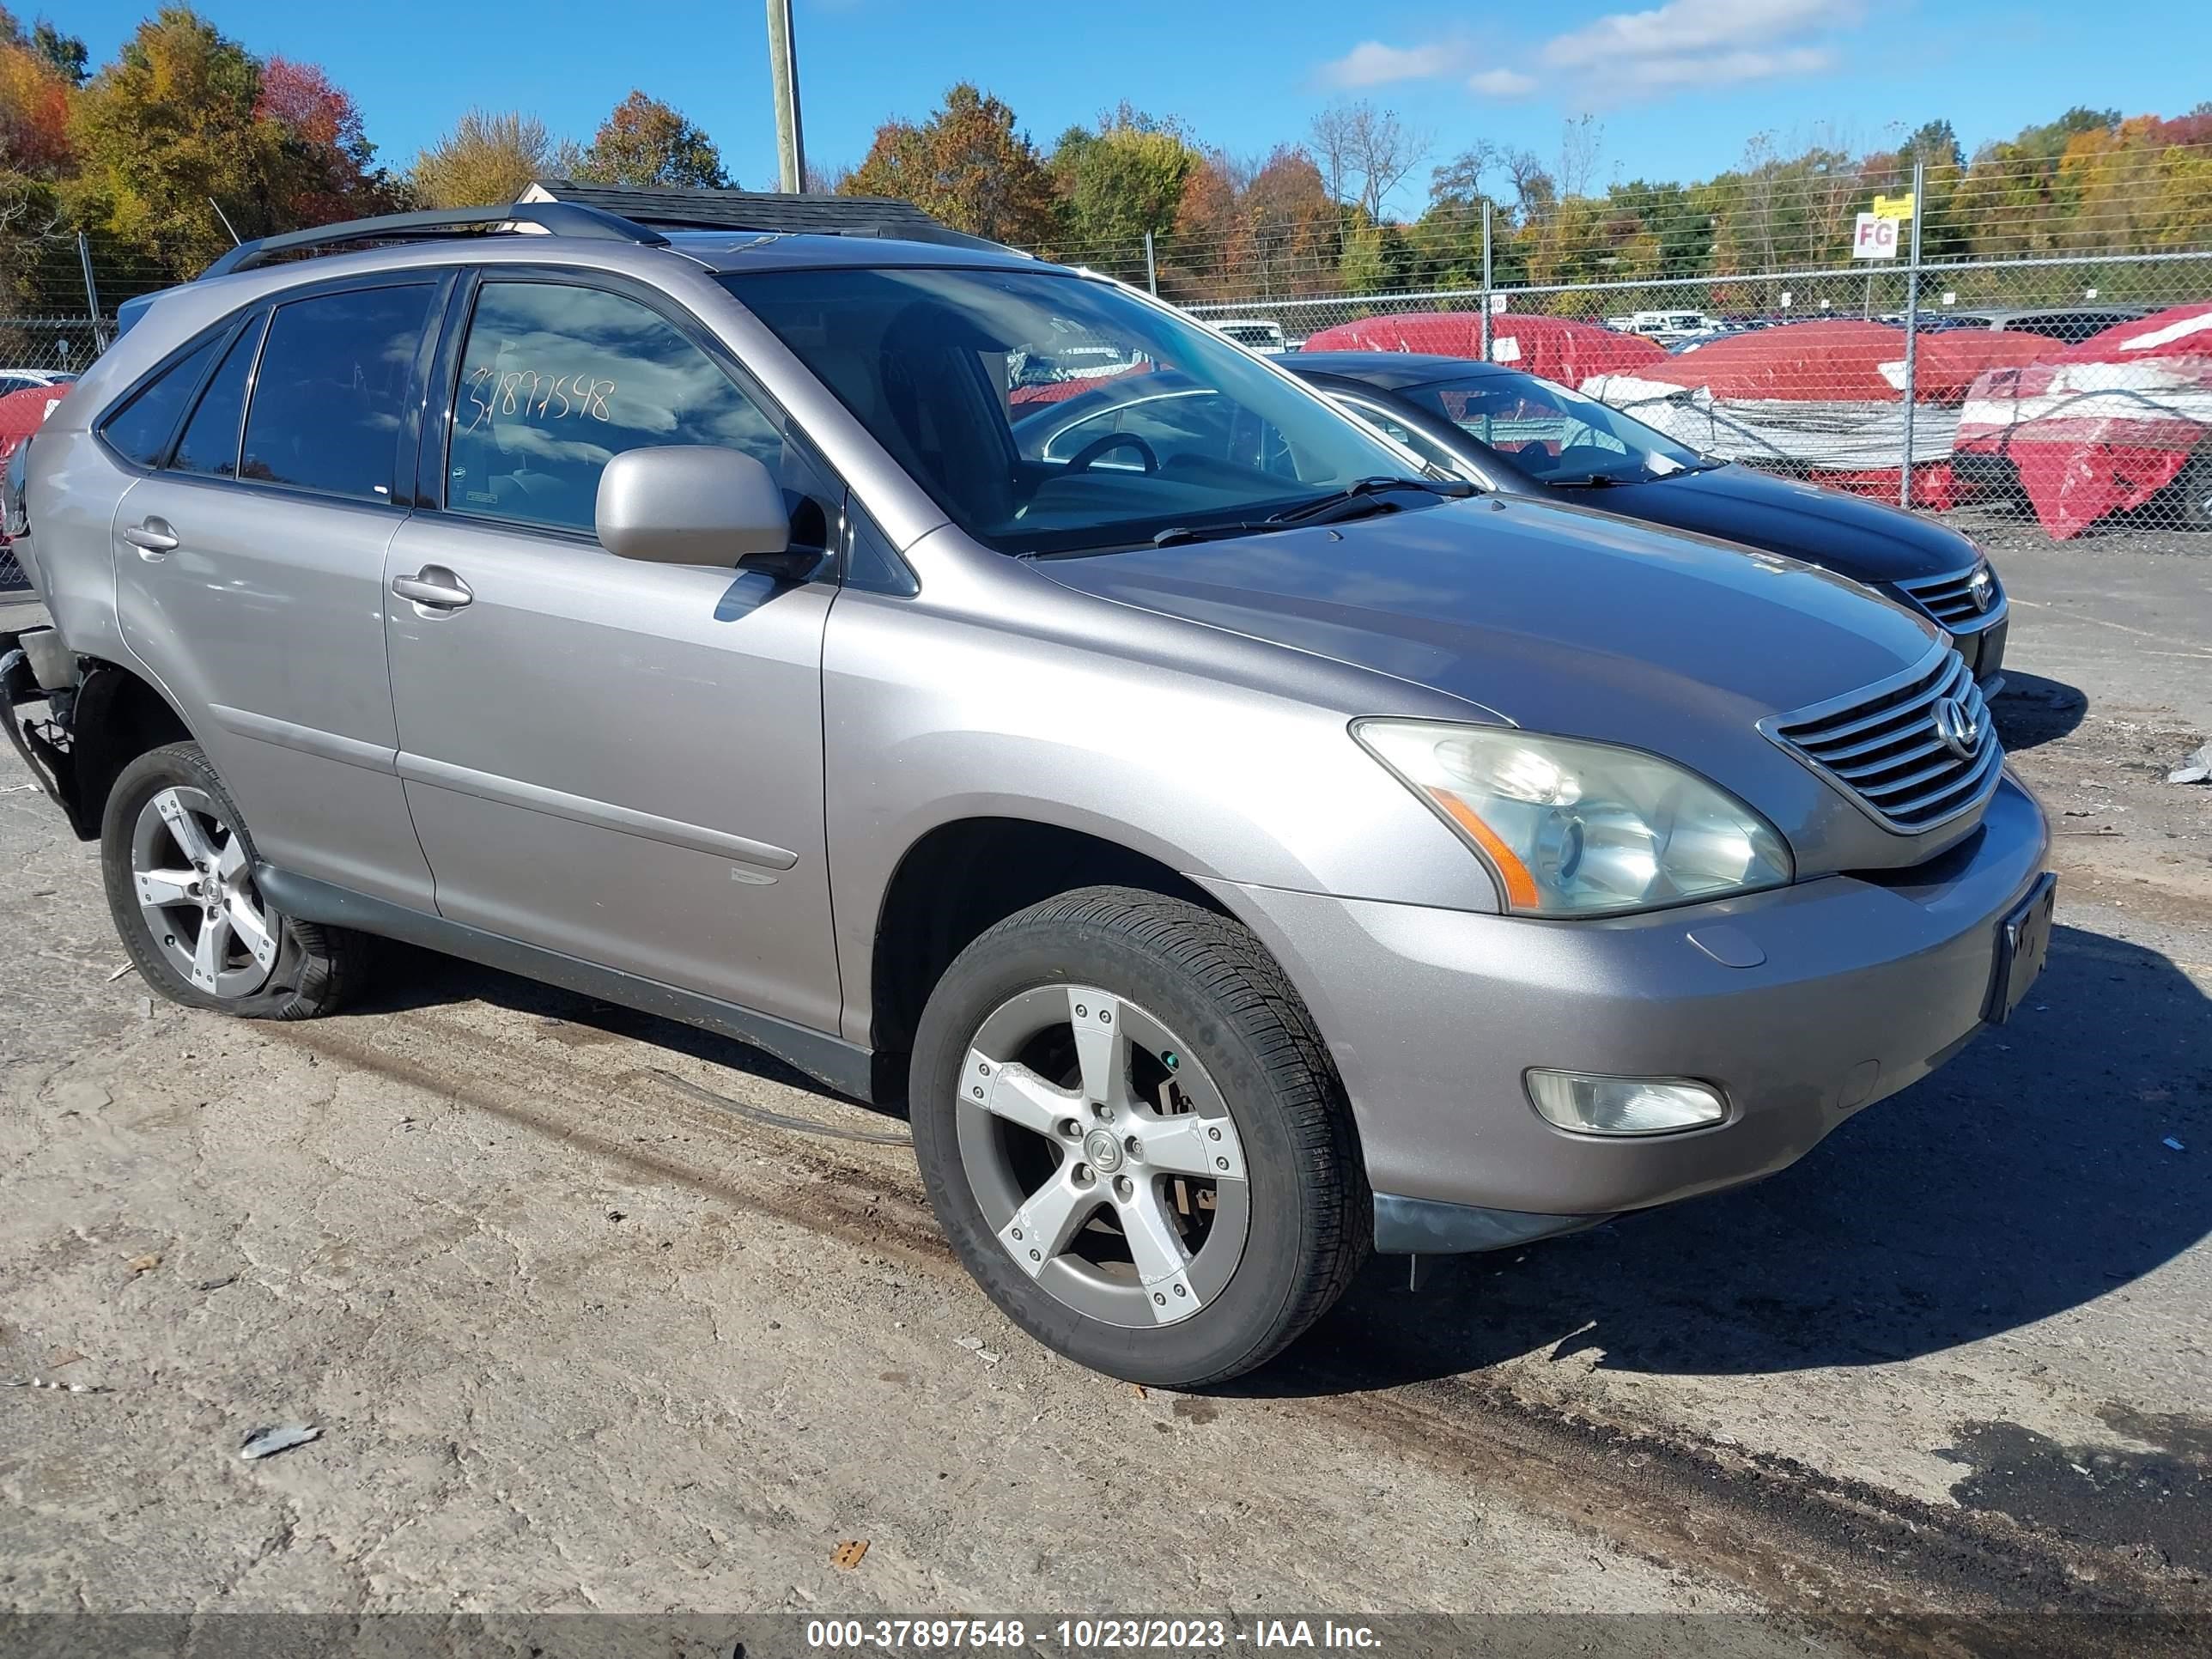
<point>1677,88</point>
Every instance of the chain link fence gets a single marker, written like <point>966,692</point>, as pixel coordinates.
<point>2028,336</point>
<point>2033,344</point>
<point>58,295</point>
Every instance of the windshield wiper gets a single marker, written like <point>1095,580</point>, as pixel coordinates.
<point>1178,535</point>
<point>1359,497</point>
<point>1592,481</point>
<point>1354,501</point>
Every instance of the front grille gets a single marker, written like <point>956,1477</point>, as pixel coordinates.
<point>1950,598</point>
<point>1886,747</point>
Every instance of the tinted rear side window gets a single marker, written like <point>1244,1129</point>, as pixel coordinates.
<point>210,445</point>
<point>328,398</point>
<point>140,431</point>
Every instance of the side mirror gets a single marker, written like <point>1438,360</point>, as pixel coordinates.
<point>693,505</point>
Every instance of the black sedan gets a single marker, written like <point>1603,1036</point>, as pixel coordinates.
<point>1510,432</point>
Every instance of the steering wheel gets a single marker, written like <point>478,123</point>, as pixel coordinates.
<point>1080,461</point>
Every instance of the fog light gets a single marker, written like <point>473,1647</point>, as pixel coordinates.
<point>1594,1105</point>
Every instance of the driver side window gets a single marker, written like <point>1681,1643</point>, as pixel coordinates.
<point>557,380</point>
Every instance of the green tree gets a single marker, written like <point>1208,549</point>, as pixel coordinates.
<point>64,52</point>
<point>645,145</point>
<point>1121,181</point>
<point>488,159</point>
<point>967,166</point>
<point>1934,144</point>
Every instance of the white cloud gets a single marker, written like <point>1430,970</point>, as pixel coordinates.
<point>1502,83</point>
<point>1682,45</point>
<point>1371,64</point>
<point>1687,45</point>
<point>1726,69</point>
<point>1682,29</point>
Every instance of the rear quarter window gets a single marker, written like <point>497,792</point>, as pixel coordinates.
<point>210,445</point>
<point>140,430</point>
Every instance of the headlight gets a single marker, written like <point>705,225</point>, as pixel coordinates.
<point>1578,829</point>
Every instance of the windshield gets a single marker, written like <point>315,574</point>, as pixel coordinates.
<point>1046,412</point>
<point>1554,435</point>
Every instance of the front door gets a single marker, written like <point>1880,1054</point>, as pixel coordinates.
<point>617,761</point>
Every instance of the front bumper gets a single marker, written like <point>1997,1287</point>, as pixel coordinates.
<point>1984,649</point>
<point>1851,990</point>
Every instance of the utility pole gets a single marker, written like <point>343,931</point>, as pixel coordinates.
<point>783,70</point>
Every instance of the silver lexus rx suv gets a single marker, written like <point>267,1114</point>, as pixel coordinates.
<point>1235,846</point>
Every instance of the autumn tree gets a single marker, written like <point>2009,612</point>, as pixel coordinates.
<point>35,157</point>
<point>967,166</point>
<point>172,127</point>
<point>326,168</point>
<point>645,145</point>
<point>1201,261</point>
<point>1291,223</point>
<point>35,94</point>
<point>488,159</point>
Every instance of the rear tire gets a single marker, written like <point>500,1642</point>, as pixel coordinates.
<point>1085,1073</point>
<point>178,863</point>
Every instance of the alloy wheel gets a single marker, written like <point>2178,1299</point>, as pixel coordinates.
<point>1104,1155</point>
<point>194,884</point>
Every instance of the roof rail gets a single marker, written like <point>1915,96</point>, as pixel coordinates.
<point>559,218</point>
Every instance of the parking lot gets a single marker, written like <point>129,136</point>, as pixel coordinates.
<point>595,1311</point>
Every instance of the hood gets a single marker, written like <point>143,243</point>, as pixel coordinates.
<point>1561,620</point>
<point>1867,540</point>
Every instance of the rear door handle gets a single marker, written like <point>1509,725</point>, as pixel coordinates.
<point>153,538</point>
<point>433,586</point>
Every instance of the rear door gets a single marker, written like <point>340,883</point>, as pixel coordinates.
<point>621,762</point>
<point>249,564</point>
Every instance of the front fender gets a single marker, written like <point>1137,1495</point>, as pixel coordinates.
<point>1179,742</point>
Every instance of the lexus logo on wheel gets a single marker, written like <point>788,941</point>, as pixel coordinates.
<point>1982,588</point>
<point>1959,727</point>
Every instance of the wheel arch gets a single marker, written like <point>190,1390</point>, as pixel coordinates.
<point>959,877</point>
<point>117,716</point>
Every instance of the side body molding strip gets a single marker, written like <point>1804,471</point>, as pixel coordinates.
<point>845,1066</point>
<point>582,808</point>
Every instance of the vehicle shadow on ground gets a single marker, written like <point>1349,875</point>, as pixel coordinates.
<point>409,977</point>
<point>2030,1177</point>
<point>2032,711</point>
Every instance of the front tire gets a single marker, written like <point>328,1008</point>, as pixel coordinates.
<point>178,864</point>
<point>1134,1138</point>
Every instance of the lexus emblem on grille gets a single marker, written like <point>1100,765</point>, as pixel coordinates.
<point>1960,729</point>
<point>1982,588</point>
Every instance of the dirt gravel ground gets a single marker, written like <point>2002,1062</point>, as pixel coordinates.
<point>594,1311</point>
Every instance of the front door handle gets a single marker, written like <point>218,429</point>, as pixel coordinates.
<point>433,586</point>
<point>153,539</point>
